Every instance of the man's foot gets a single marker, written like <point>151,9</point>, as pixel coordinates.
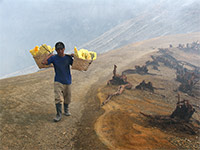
<point>58,118</point>
<point>67,114</point>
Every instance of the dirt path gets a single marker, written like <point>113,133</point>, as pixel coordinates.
<point>27,102</point>
<point>27,107</point>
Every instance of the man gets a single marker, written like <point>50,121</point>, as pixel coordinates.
<point>62,80</point>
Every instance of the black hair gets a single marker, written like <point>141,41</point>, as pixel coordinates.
<point>59,45</point>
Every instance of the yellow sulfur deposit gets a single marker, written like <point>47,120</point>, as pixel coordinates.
<point>76,51</point>
<point>43,49</point>
<point>85,54</point>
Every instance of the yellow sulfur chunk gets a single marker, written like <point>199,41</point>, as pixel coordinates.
<point>80,55</point>
<point>88,56</point>
<point>52,49</point>
<point>85,54</point>
<point>76,52</point>
<point>32,52</point>
<point>36,49</point>
<point>43,49</point>
<point>49,47</point>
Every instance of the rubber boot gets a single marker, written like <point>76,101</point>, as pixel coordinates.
<point>59,112</point>
<point>66,109</point>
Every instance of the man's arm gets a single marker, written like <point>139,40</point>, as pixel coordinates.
<point>45,62</point>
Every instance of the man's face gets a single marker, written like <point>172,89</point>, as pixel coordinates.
<point>60,52</point>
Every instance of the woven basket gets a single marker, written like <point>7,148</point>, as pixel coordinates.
<point>80,64</point>
<point>39,59</point>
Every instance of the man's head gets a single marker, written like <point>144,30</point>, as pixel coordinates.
<point>60,47</point>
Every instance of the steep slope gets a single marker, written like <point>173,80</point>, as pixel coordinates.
<point>27,102</point>
<point>164,18</point>
<point>123,127</point>
<point>116,127</point>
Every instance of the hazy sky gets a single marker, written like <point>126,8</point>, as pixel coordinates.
<point>27,23</point>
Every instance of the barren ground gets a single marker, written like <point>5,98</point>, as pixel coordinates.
<point>27,106</point>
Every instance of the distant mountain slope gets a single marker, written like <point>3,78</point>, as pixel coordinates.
<point>162,20</point>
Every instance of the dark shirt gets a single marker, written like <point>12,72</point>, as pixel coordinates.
<point>62,68</point>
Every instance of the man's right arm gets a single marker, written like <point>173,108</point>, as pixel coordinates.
<point>45,61</point>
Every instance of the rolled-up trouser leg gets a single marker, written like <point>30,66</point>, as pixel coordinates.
<point>58,92</point>
<point>67,93</point>
<point>63,93</point>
